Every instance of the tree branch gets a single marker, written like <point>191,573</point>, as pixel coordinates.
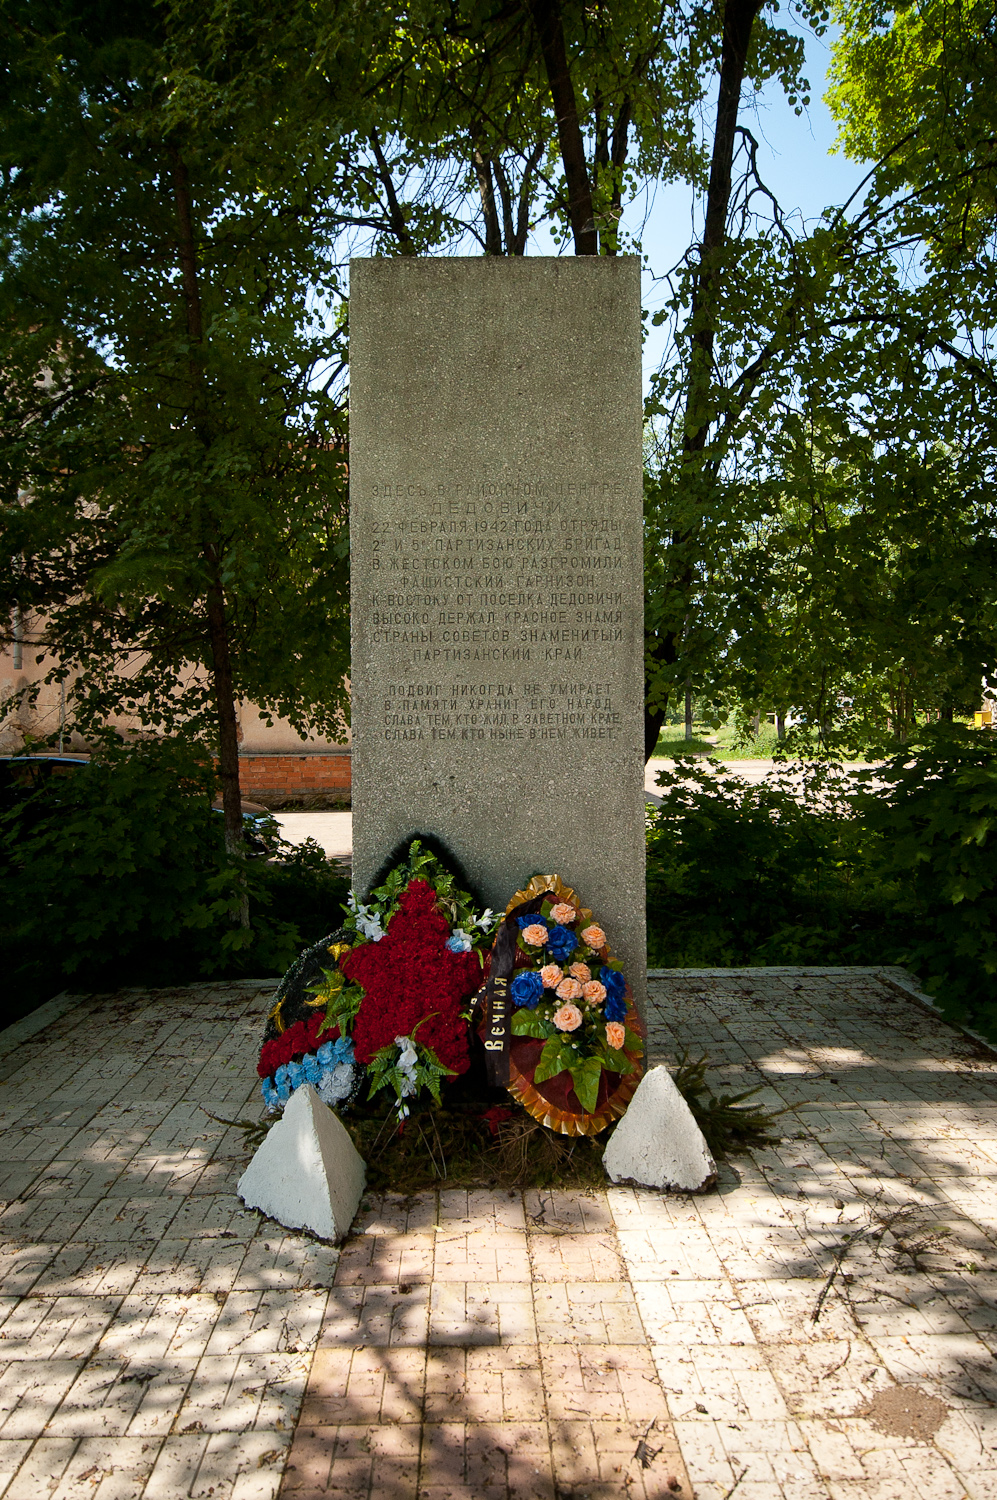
<point>396,216</point>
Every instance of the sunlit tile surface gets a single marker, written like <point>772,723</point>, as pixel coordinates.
<point>158,1341</point>
<point>155,1339</point>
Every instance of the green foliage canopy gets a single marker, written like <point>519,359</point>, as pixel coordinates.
<point>174,489</point>
<point>827,544</point>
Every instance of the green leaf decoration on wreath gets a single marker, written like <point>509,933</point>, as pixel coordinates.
<point>342,1000</point>
<point>585,1076</point>
<point>560,1056</point>
<point>530,1023</point>
<point>557,1055</point>
<point>386,1070</point>
<point>457,905</point>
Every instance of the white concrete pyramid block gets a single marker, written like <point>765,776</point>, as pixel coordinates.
<point>658,1143</point>
<point>307,1174</point>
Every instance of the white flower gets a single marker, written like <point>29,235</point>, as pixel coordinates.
<point>408,1059</point>
<point>486,918</point>
<point>368,921</point>
<point>409,1056</point>
<point>336,1083</point>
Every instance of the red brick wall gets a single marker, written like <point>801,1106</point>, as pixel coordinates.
<point>294,775</point>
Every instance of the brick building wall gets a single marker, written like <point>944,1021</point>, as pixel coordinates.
<point>277,777</point>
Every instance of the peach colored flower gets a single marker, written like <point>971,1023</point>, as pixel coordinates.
<point>594,937</point>
<point>562,912</point>
<point>582,972</point>
<point>616,1034</point>
<point>568,1018</point>
<point>569,989</point>
<point>551,976</point>
<point>535,935</point>
<point>594,992</point>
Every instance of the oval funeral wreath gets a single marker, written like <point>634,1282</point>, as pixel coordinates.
<point>557,1012</point>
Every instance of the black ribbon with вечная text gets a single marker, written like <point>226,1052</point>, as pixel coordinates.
<point>498,1005</point>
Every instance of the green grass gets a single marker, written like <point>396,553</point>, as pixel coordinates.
<point>731,746</point>
<point>723,743</point>
<point>672,741</point>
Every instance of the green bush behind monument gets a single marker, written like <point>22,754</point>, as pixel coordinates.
<point>776,873</point>
<point>119,876</point>
<point>815,866</point>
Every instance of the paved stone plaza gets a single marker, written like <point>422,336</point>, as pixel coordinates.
<point>158,1341</point>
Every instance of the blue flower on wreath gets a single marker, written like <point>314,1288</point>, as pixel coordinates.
<point>527,989</point>
<point>561,943</point>
<point>616,985</point>
<point>531,919</point>
<point>615,1008</point>
<point>339,1051</point>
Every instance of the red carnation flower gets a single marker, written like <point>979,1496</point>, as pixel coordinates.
<point>303,1036</point>
<point>409,977</point>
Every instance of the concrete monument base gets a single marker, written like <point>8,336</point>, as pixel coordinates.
<point>307,1174</point>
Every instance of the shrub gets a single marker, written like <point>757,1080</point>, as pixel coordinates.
<point>933,811</point>
<point>118,874</point>
<point>778,873</point>
<point>895,864</point>
<point>300,887</point>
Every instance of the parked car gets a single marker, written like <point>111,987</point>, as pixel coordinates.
<point>20,775</point>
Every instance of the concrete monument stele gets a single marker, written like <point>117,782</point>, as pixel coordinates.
<point>497,573</point>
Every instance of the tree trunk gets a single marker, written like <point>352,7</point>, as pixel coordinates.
<point>218,635</point>
<point>688,709</point>
<point>396,215</point>
<point>493,230</point>
<point>738,20</point>
<point>505,195</point>
<point>616,160</point>
<point>228,724</point>
<point>581,214</point>
<point>652,730</point>
<point>517,226</point>
<point>780,724</point>
<point>188,260</point>
<point>618,157</point>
